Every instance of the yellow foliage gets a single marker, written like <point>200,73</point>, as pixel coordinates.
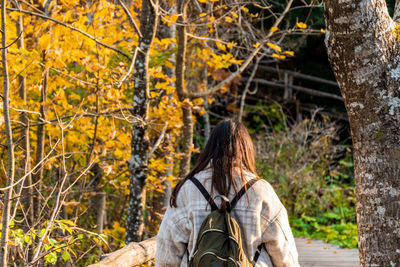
<point>274,29</point>
<point>301,25</point>
<point>229,19</point>
<point>277,48</point>
<point>290,53</point>
<point>278,56</point>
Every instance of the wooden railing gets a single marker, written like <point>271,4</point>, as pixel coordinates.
<point>131,255</point>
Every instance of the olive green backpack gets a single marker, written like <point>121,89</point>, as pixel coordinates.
<point>219,242</point>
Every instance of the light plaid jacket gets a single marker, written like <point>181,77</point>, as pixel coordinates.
<point>260,214</point>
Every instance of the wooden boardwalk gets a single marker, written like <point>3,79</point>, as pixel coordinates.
<point>312,253</point>
<point>320,254</point>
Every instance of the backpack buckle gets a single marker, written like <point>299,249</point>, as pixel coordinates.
<point>226,203</point>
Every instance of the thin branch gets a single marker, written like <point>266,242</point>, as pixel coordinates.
<point>130,68</point>
<point>13,42</point>
<point>160,138</point>
<point>246,89</point>
<point>30,171</point>
<point>72,28</point>
<point>129,15</point>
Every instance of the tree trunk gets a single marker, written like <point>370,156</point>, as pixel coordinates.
<point>364,55</point>
<point>25,162</point>
<point>140,143</point>
<point>41,133</point>
<point>10,146</point>
<point>187,129</point>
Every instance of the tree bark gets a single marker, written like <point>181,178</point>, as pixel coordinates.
<point>140,144</point>
<point>41,133</point>
<point>187,129</point>
<point>364,55</point>
<point>27,192</point>
<point>10,145</point>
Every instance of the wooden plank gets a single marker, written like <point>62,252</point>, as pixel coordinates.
<point>318,253</point>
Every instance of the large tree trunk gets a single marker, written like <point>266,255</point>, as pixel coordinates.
<point>140,142</point>
<point>365,57</point>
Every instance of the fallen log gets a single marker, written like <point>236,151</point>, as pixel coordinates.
<point>131,255</point>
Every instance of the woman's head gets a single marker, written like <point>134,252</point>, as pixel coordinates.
<point>228,149</point>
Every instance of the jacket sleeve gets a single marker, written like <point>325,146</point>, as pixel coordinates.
<point>172,238</point>
<point>279,241</point>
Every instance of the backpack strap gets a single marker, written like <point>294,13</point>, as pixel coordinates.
<point>257,254</point>
<point>241,192</point>
<point>204,193</point>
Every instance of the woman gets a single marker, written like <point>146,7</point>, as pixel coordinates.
<point>224,166</point>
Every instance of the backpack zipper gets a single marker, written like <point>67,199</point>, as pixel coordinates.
<point>218,257</point>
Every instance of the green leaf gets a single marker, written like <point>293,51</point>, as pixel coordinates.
<point>65,256</point>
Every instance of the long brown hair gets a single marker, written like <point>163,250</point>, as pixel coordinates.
<point>229,147</point>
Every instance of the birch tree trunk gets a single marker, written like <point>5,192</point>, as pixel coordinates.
<point>140,143</point>
<point>364,53</point>
<point>8,193</point>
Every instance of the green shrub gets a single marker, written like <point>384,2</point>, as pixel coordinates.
<point>312,174</point>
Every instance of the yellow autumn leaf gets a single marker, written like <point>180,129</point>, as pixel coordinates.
<point>203,1</point>
<point>154,94</point>
<point>71,203</point>
<point>290,53</point>
<point>220,46</point>
<point>187,103</point>
<point>323,30</point>
<point>277,48</point>
<point>198,101</point>
<point>45,41</point>
<point>231,44</point>
<point>234,14</point>
<point>229,19</point>
<point>202,15</point>
<point>301,25</point>
<point>169,64</point>
<point>278,56</point>
<point>256,45</point>
<point>170,19</point>
<point>202,111</point>
<point>74,97</point>
<point>245,9</point>
<point>274,29</point>
<point>118,153</point>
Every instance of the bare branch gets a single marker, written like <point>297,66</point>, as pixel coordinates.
<point>246,62</point>
<point>246,89</point>
<point>129,15</point>
<point>160,138</point>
